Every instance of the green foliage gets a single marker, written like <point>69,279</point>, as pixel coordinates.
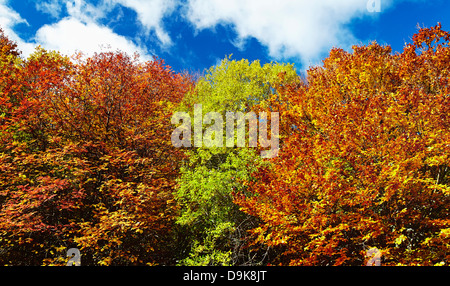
<point>238,85</point>
<point>211,175</point>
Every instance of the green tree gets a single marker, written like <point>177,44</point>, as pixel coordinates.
<point>217,228</point>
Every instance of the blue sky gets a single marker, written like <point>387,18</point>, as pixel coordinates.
<point>194,35</point>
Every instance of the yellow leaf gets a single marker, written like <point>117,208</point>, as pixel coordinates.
<point>399,240</point>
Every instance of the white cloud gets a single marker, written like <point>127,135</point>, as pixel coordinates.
<point>10,18</point>
<point>86,12</point>
<point>84,18</point>
<point>71,35</point>
<point>289,28</point>
<point>80,31</point>
<point>53,7</point>
<point>150,14</point>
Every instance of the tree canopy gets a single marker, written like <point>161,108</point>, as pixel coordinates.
<point>87,160</point>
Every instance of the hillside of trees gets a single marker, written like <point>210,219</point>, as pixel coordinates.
<point>87,161</point>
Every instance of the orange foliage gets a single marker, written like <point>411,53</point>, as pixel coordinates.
<point>364,160</point>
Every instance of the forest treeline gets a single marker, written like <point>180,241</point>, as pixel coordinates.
<point>86,160</point>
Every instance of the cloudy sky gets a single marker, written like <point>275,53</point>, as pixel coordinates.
<point>195,34</point>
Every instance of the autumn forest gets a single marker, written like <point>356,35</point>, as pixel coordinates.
<point>87,162</point>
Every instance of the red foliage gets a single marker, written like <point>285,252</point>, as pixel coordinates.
<point>87,161</point>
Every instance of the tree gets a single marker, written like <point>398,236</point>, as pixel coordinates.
<point>215,225</point>
<point>364,161</point>
<point>89,162</point>
<point>10,82</point>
